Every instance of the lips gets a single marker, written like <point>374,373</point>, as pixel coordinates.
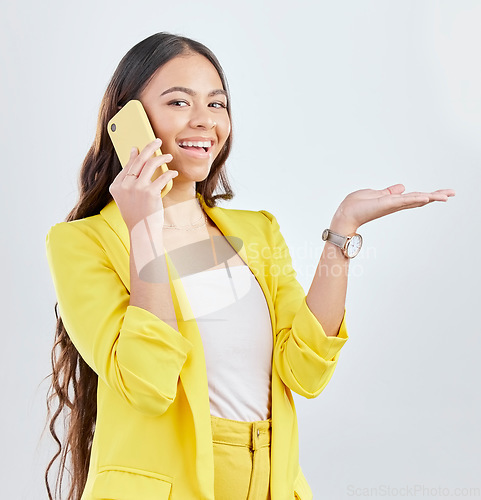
<point>198,148</point>
<point>196,142</point>
<point>196,152</point>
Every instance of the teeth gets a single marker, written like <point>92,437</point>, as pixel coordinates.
<point>198,144</point>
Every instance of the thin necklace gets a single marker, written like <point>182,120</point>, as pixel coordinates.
<point>189,227</point>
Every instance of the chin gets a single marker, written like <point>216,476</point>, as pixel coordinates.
<point>197,174</point>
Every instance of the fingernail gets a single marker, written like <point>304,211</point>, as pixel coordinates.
<point>158,140</point>
<point>133,150</point>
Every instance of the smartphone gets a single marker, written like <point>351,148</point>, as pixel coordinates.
<point>129,128</point>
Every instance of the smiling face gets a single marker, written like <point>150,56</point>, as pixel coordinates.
<point>186,103</point>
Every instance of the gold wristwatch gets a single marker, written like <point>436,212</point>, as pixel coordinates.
<point>350,245</point>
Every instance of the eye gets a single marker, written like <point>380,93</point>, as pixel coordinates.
<point>218,105</point>
<point>176,103</point>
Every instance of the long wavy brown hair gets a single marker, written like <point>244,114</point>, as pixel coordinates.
<point>73,389</point>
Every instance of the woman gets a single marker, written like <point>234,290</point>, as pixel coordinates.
<point>183,328</point>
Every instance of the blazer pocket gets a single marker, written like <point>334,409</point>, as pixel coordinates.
<point>125,483</point>
<point>302,490</point>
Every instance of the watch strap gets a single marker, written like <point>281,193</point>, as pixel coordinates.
<point>335,238</point>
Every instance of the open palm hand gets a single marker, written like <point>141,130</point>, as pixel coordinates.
<point>366,205</point>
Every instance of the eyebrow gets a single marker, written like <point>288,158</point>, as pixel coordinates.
<point>193,93</point>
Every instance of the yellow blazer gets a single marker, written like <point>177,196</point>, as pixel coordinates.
<point>153,437</point>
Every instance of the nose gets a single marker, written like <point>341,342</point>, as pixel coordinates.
<point>202,118</point>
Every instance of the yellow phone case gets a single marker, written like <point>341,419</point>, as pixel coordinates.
<point>129,128</point>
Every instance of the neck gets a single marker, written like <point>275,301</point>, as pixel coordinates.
<point>182,209</point>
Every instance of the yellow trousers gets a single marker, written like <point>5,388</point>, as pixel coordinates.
<point>242,459</point>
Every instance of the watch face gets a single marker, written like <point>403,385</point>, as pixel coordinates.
<point>354,246</point>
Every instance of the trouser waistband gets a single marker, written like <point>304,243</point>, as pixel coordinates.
<point>253,435</point>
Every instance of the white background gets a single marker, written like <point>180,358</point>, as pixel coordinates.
<point>328,97</point>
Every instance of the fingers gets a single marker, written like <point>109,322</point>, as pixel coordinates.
<point>419,199</point>
<point>448,192</point>
<point>439,195</point>
<point>123,172</point>
<point>134,152</point>
<point>415,200</point>
<point>395,196</point>
<point>163,179</point>
<point>137,162</point>
<point>394,189</point>
<point>365,205</point>
<point>151,165</point>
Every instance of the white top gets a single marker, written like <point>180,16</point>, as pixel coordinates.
<point>234,322</point>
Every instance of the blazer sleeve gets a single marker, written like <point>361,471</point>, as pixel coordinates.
<point>304,356</point>
<point>135,353</point>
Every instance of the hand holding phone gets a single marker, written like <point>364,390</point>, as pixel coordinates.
<point>137,198</point>
<point>130,128</point>
<point>144,173</point>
